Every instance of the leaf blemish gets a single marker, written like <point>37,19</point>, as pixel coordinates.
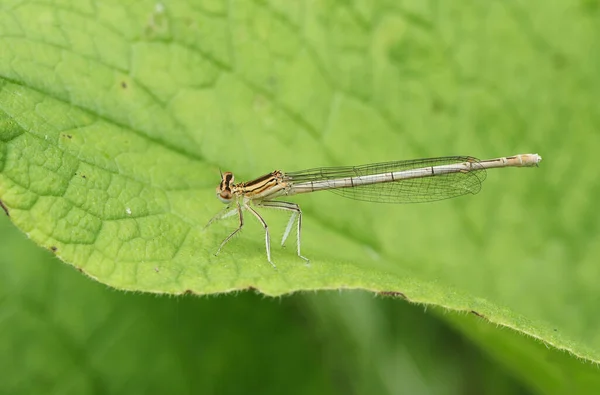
<point>394,294</point>
<point>123,84</point>
<point>53,248</point>
<point>4,208</point>
<point>478,314</point>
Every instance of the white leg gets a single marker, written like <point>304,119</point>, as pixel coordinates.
<point>225,213</point>
<point>296,212</point>
<point>230,213</point>
<point>267,237</point>
<point>288,228</point>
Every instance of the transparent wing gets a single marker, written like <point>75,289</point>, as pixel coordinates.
<point>413,190</point>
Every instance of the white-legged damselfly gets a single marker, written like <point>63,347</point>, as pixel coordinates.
<point>408,181</point>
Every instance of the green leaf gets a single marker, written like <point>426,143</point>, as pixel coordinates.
<point>116,117</point>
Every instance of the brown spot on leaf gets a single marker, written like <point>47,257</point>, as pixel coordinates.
<point>4,208</point>
<point>393,294</point>
<point>123,84</point>
<point>188,292</point>
<point>478,314</point>
<point>54,248</point>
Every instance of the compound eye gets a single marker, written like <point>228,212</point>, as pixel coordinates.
<point>224,193</point>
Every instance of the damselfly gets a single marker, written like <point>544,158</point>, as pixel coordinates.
<point>408,181</point>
